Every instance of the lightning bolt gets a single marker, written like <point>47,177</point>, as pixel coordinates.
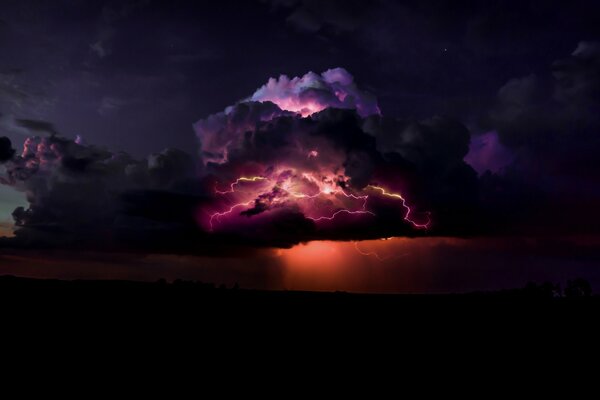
<point>349,196</point>
<point>384,192</point>
<point>340,212</point>
<point>375,254</point>
<point>220,214</point>
<point>327,191</point>
<point>370,253</point>
<point>238,181</point>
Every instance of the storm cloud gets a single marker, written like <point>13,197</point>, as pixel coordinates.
<point>313,158</point>
<point>270,172</point>
<point>549,123</point>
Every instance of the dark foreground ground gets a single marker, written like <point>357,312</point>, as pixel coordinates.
<point>197,299</point>
<point>172,318</point>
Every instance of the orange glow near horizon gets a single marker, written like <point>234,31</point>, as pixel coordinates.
<point>397,265</point>
<point>348,266</point>
<point>331,252</point>
<point>6,229</point>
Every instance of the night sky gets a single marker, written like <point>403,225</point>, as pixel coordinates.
<point>412,146</point>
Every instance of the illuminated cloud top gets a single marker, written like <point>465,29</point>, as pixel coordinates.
<point>303,96</point>
<point>312,93</point>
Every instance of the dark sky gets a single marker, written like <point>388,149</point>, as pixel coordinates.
<point>135,75</point>
<point>489,125</point>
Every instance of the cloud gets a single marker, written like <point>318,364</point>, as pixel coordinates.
<point>107,32</point>
<point>76,192</point>
<point>552,120</point>
<point>578,77</point>
<point>25,127</point>
<point>312,16</point>
<point>37,126</point>
<point>282,96</point>
<point>312,158</point>
<point>315,150</point>
<point>548,124</point>
<point>313,92</point>
<point>102,46</point>
<point>18,99</point>
<point>6,150</point>
<point>12,93</point>
<point>486,153</point>
<point>110,105</point>
<point>267,176</point>
<point>218,131</point>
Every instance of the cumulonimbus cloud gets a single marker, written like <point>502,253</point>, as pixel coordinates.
<point>317,147</point>
<point>301,159</point>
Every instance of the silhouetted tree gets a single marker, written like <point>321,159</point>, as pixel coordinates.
<point>545,290</point>
<point>578,288</point>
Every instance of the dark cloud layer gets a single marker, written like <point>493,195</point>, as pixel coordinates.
<point>550,122</point>
<point>337,150</point>
<point>88,196</point>
<point>83,195</point>
<point>437,66</point>
<point>104,69</point>
<point>6,150</point>
<point>78,194</point>
<point>443,56</point>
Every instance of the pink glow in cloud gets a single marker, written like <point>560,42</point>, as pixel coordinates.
<point>304,96</point>
<point>312,93</point>
<point>486,153</point>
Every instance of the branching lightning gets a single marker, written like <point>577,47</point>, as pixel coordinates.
<point>218,215</point>
<point>282,156</point>
<point>283,188</point>
<point>238,181</point>
<point>384,192</point>
<point>375,254</point>
<point>369,253</point>
<point>342,211</point>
